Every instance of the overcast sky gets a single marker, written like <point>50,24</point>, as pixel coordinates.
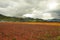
<point>44,9</point>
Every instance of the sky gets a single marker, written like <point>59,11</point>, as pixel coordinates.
<point>42,9</point>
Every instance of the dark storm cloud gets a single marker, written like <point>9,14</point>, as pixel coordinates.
<point>56,13</point>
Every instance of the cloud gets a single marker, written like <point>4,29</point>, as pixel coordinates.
<point>36,8</point>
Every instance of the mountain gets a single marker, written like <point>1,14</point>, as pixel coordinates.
<point>54,20</point>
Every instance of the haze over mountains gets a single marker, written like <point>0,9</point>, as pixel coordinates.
<point>42,9</point>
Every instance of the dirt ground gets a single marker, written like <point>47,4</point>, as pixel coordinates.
<point>29,31</point>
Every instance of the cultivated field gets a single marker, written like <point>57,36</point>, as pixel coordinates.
<point>29,31</point>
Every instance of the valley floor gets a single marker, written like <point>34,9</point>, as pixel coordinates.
<point>29,31</point>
